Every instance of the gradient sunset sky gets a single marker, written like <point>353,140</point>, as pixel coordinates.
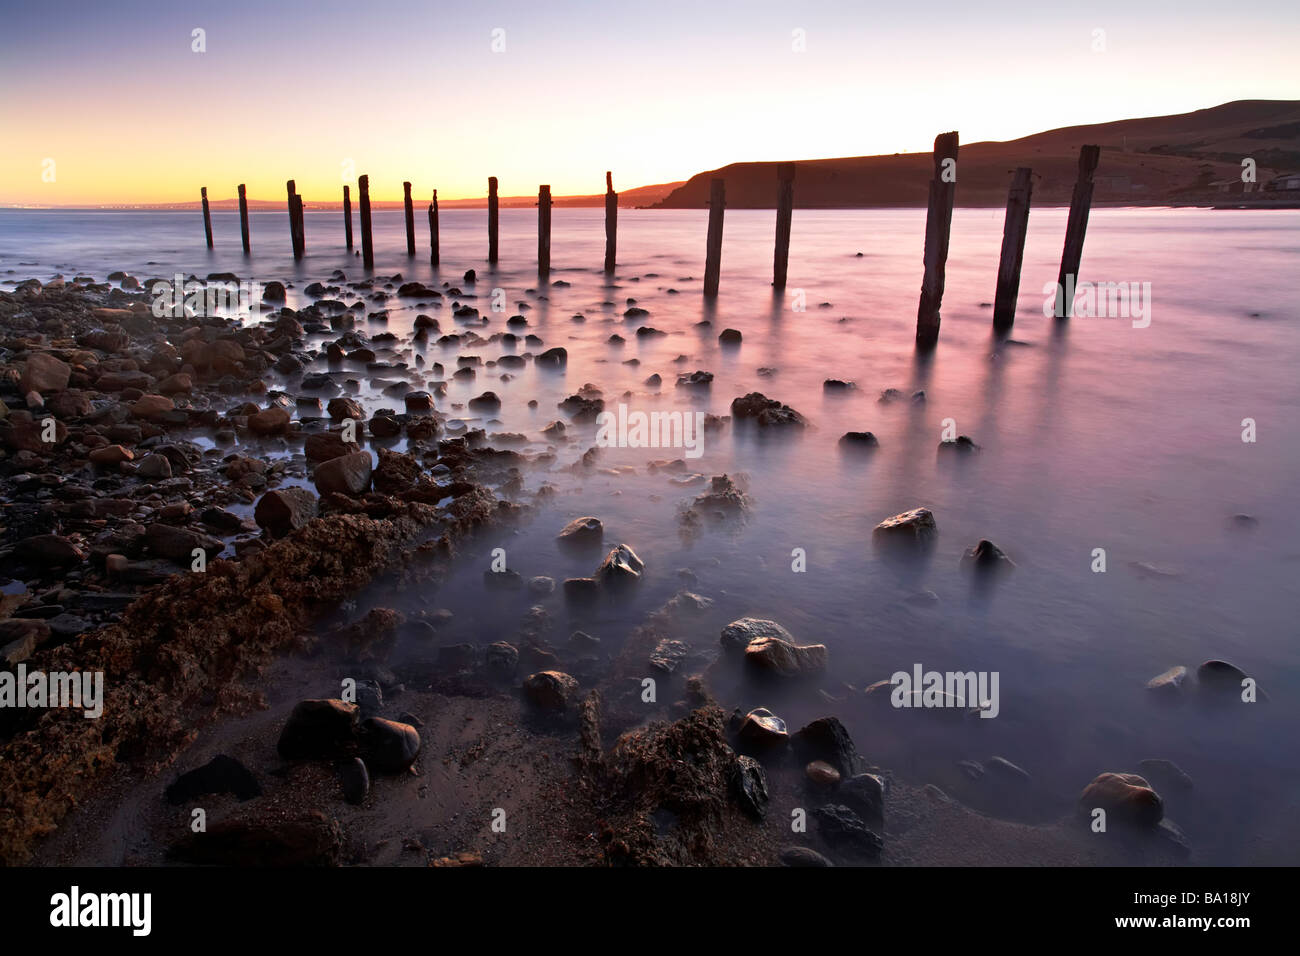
<point>322,90</point>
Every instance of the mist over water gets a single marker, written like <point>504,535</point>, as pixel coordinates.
<point>1093,434</point>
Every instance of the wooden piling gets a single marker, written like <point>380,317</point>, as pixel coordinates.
<point>433,230</point>
<point>938,225</point>
<point>410,219</point>
<point>367,244</point>
<point>298,225</point>
<point>784,213</point>
<point>543,231</point>
<point>243,217</point>
<point>713,246</point>
<point>611,223</point>
<point>347,216</point>
<point>1077,225</point>
<point>1013,249</point>
<point>207,216</point>
<point>492,219</point>
<point>295,220</point>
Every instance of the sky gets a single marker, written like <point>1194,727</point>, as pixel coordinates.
<point>108,101</point>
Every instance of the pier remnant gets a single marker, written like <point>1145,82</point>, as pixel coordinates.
<point>492,219</point>
<point>543,231</point>
<point>207,216</point>
<point>713,247</point>
<point>1076,226</point>
<point>938,225</point>
<point>367,243</point>
<point>433,230</point>
<point>296,236</point>
<point>347,216</point>
<point>611,223</point>
<point>410,219</point>
<point>784,213</point>
<point>1013,249</point>
<point>243,217</point>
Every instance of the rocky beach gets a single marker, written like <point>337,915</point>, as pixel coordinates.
<point>254,526</point>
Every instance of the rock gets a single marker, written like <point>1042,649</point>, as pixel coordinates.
<point>324,447</point>
<point>418,401</point>
<point>841,827</point>
<point>581,532</point>
<point>729,337</point>
<point>766,411</point>
<point>1170,681</point>
<point>111,455</point>
<point>959,445</point>
<point>554,357</point>
<point>859,440</point>
<point>221,774</point>
<point>318,729</point>
<point>389,746</point>
<point>355,780</point>
<point>1166,771</point>
<point>502,660</point>
<point>739,634</point>
<point>44,373</point>
<point>486,401</point>
<point>785,659</point>
<point>581,588</point>
<point>1005,769</point>
<point>763,729</point>
<point>177,384</point>
<point>749,784</point>
<point>273,292</point>
<point>179,544</point>
<point>911,527</point>
<point>620,565</point>
<point>1220,675</point>
<point>507,579</point>
<point>822,774</point>
<point>284,510</point>
<point>667,655</point>
<point>347,474</point>
<point>550,690</point>
<point>269,421</point>
<point>802,856</point>
<point>154,466</point>
<point>1125,797</point>
<point>865,793</point>
<point>152,406</point>
<point>541,585</point>
<point>986,556</point>
<point>827,739</point>
<point>341,408</point>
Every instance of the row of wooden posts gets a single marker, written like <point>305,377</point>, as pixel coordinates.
<point>938,225</point>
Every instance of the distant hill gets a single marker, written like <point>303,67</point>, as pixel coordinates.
<point>1158,160</point>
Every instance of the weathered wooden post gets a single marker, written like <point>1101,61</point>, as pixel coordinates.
<point>433,229</point>
<point>492,219</point>
<point>410,219</point>
<point>295,220</point>
<point>611,223</point>
<point>543,231</point>
<point>938,225</point>
<point>713,247</point>
<point>243,217</point>
<point>207,216</point>
<point>1013,249</point>
<point>367,244</point>
<point>1075,228</point>
<point>347,216</point>
<point>784,212</point>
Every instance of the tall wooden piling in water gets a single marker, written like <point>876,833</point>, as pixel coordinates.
<point>492,219</point>
<point>1013,249</point>
<point>207,216</point>
<point>1072,254</point>
<point>938,226</point>
<point>433,230</point>
<point>713,246</point>
<point>543,231</point>
<point>367,244</point>
<point>410,219</point>
<point>347,216</point>
<point>296,236</point>
<point>611,223</point>
<point>243,217</point>
<point>784,213</point>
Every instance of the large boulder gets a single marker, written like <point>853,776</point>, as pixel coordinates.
<point>318,729</point>
<point>347,474</point>
<point>781,658</point>
<point>44,373</point>
<point>1125,797</point>
<point>285,509</point>
<point>739,634</point>
<point>551,690</point>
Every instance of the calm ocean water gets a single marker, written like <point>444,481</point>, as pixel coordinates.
<point>1094,434</point>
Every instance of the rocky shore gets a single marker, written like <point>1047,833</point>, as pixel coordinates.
<point>227,554</point>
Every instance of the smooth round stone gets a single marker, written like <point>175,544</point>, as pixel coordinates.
<point>763,728</point>
<point>822,773</point>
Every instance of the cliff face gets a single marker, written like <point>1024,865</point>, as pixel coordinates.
<point>1156,160</point>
